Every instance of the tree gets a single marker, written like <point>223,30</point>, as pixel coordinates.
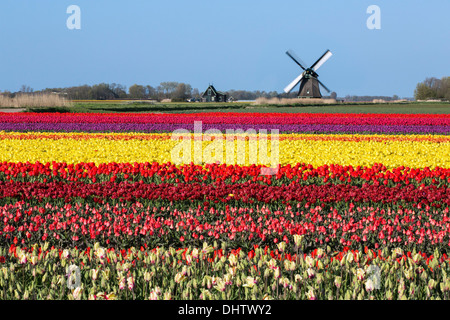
<point>433,88</point>
<point>160,93</point>
<point>25,89</point>
<point>78,93</point>
<point>168,88</point>
<point>444,90</point>
<point>433,83</point>
<point>137,91</point>
<point>423,92</point>
<point>151,92</point>
<point>182,92</point>
<point>119,90</point>
<point>195,93</point>
<point>427,89</point>
<point>273,94</point>
<point>7,93</point>
<point>102,91</point>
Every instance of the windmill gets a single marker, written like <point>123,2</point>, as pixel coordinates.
<point>309,86</point>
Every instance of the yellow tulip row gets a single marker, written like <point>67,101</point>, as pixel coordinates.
<point>416,151</point>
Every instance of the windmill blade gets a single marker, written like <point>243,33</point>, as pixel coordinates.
<point>293,84</point>
<point>328,90</point>
<point>321,60</point>
<point>294,57</point>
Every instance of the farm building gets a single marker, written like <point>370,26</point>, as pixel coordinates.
<point>212,95</point>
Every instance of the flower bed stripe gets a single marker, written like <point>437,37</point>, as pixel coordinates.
<point>354,151</point>
<point>170,127</point>
<point>165,136</point>
<point>227,118</point>
<point>215,273</point>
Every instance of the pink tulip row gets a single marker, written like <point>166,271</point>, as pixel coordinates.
<point>135,224</point>
<point>233,118</point>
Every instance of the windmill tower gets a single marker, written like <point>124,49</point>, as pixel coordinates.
<point>309,84</point>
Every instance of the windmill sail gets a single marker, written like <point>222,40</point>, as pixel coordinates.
<point>296,59</point>
<point>321,60</point>
<point>293,84</point>
<point>328,90</point>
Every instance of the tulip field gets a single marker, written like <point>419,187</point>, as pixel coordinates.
<point>93,206</point>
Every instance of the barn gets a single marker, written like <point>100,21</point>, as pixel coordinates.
<point>212,95</point>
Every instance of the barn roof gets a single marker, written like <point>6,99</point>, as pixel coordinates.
<point>215,92</point>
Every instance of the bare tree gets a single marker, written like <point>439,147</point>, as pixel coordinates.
<point>168,88</point>
<point>195,93</point>
<point>182,92</point>
<point>25,89</point>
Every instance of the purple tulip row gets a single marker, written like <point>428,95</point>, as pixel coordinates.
<point>166,127</point>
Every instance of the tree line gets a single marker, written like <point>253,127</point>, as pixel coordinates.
<point>349,98</point>
<point>175,91</point>
<point>433,89</point>
<point>114,91</point>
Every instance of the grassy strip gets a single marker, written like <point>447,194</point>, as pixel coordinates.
<point>402,108</point>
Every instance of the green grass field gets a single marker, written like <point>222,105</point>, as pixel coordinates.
<point>405,108</point>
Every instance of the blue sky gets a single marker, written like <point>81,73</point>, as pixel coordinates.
<point>233,44</point>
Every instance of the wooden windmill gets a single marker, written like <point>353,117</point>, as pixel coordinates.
<point>309,84</point>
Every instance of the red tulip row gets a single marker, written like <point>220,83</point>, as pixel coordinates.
<point>134,224</point>
<point>157,173</point>
<point>221,192</point>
